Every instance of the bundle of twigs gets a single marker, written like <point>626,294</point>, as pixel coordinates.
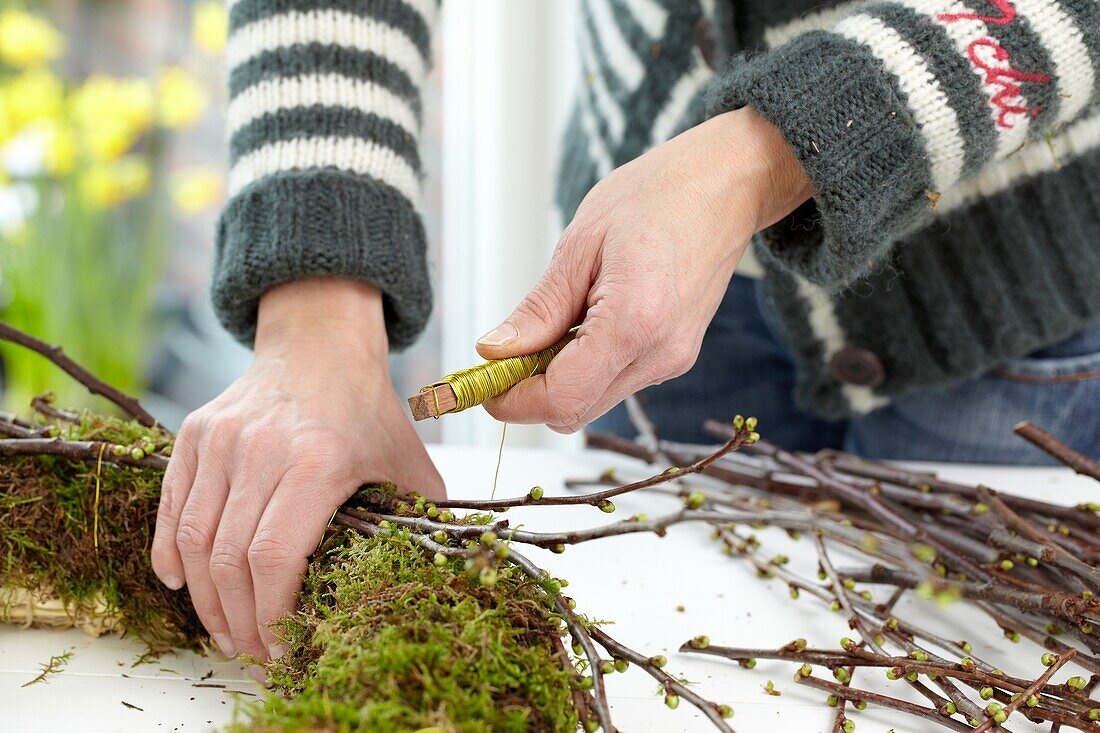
<point>1031,567</point>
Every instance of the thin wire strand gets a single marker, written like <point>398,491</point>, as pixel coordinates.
<point>95,510</point>
<point>500,459</point>
<point>500,451</point>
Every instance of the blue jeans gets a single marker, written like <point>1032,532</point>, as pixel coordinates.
<point>745,367</point>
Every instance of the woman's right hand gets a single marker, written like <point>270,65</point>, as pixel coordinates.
<point>256,474</point>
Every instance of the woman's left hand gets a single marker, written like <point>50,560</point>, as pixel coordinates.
<point>645,264</point>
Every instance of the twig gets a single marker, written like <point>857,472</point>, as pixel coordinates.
<point>1031,690</point>
<point>841,704</point>
<point>739,437</point>
<point>79,450</point>
<point>579,633</point>
<point>94,384</point>
<point>891,703</point>
<point>1086,693</point>
<point>671,685</point>
<point>43,404</point>
<point>1057,449</point>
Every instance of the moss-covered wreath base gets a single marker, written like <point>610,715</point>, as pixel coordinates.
<point>387,636</point>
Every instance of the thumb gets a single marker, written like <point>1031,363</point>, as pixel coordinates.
<point>552,307</point>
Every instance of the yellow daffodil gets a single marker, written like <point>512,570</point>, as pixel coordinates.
<point>196,189</point>
<point>180,99</point>
<point>210,26</point>
<point>59,151</point>
<point>106,140</point>
<point>106,185</point>
<point>111,114</point>
<point>7,121</point>
<point>27,40</point>
<point>34,95</point>
<point>135,103</point>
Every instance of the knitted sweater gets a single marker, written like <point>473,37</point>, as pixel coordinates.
<point>953,147</point>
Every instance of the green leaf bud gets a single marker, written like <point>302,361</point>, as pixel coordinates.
<point>488,576</point>
<point>700,642</point>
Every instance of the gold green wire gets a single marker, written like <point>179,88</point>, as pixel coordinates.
<point>475,385</point>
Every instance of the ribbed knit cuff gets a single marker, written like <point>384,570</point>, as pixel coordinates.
<point>296,225</point>
<point>841,113</point>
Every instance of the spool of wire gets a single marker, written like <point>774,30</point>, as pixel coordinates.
<point>477,384</point>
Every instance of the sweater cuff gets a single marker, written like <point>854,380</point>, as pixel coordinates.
<point>842,115</point>
<point>297,225</point>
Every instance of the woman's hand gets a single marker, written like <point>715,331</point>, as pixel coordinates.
<point>645,263</point>
<point>257,474</point>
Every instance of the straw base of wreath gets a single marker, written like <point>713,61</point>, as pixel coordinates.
<point>41,608</point>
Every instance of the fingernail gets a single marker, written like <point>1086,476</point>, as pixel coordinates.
<point>258,673</point>
<point>225,643</point>
<point>276,650</point>
<point>500,335</point>
<point>173,582</point>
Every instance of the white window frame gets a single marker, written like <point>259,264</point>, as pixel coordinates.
<point>509,68</point>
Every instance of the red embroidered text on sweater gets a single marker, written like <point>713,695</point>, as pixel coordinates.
<point>1004,7</point>
<point>995,63</point>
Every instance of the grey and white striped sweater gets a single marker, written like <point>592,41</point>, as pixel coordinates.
<point>953,146</point>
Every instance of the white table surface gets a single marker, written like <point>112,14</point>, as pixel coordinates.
<point>637,581</point>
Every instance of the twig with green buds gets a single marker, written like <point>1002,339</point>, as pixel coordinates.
<point>742,433</point>
<point>674,688</point>
<point>1027,697</point>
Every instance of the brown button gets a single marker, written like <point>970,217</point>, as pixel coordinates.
<point>706,39</point>
<point>858,366</point>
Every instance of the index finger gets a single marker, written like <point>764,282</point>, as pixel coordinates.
<point>573,384</point>
<point>175,488</point>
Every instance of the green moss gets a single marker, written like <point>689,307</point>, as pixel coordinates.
<point>55,534</point>
<point>386,640</point>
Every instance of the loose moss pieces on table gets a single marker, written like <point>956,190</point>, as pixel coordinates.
<point>56,664</point>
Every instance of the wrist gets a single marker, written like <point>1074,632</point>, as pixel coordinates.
<point>766,168</point>
<point>322,313</point>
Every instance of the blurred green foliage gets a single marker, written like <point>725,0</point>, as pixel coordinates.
<point>86,200</point>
